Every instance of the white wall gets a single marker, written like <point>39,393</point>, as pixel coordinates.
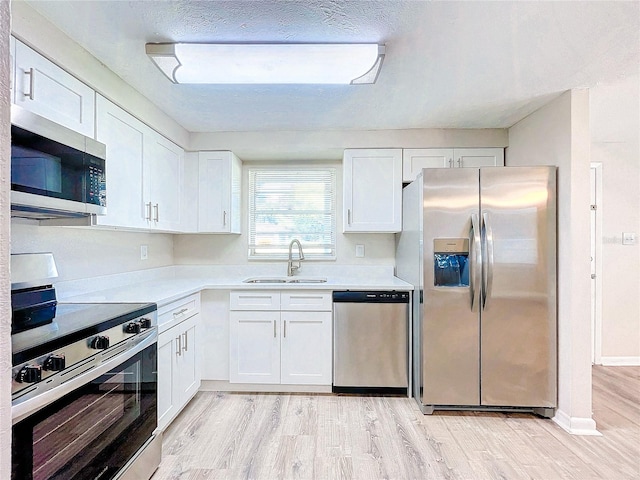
<point>615,143</point>
<point>83,253</point>
<point>5,239</point>
<point>232,249</point>
<point>329,145</point>
<point>558,134</point>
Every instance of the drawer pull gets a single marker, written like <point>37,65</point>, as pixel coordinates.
<point>180,312</point>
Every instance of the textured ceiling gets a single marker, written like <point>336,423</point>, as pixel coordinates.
<point>447,64</point>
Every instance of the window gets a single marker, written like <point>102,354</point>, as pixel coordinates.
<point>288,203</point>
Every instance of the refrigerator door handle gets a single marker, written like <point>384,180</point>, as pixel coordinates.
<point>487,266</point>
<point>475,263</point>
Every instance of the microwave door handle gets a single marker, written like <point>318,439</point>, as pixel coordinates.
<point>475,263</point>
<point>487,270</point>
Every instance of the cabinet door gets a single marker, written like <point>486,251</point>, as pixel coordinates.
<point>219,192</point>
<point>188,367</point>
<point>306,348</point>
<point>164,162</point>
<point>124,137</point>
<point>372,190</point>
<point>167,393</point>
<point>12,67</point>
<point>479,157</point>
<point>254,347</point>
<point>415,159</point>
<point>45,89</point>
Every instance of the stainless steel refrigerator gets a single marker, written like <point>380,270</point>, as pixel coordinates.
<point>479,246</point>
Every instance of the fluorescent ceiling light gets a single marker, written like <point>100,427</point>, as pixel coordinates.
<point>333,63</point>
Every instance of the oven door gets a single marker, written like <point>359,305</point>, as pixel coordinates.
<point>92,431</point>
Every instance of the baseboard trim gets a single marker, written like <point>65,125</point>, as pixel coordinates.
<point>225,386</point>
<point>620,361</point>
<point>576,425</point>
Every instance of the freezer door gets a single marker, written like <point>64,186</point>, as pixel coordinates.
<point>518,318</point>
<point>450,348</point>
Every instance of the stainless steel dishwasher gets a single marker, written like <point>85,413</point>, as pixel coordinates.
<point>370,341</point>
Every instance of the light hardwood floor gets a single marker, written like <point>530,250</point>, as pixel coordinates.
<point>309,436</point>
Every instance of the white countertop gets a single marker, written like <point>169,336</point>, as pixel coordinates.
<point>167,284</point>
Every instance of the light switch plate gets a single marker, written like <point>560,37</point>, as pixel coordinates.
<point>144,252</point>
<point>359,251</point>
<point>628,238</point>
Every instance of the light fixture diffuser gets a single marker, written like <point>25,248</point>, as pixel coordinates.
<point>290,63</point>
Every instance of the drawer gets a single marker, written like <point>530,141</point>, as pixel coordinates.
<point>306,300</point>
<point>254,300</point>
<point>179,310</point>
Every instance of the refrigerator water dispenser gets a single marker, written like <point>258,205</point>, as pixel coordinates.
<point>451,262</point>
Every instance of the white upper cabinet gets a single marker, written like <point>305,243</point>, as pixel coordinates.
<point>478,157</point>
<point>219,179</point>
<point>415,159</point>
<point>124,137</point>
<point>12,67</point>
<point>144,172</point>
<point>372,190</point>
<point>163,182</point>
<point>47,90</point>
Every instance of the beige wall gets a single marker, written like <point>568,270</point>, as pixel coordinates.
<point>558,134</point>
<point>615,143</point>
<point>5,238</point>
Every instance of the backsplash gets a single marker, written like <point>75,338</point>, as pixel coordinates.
<point>83,252</point>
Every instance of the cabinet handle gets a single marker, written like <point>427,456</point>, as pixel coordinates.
<point>148,208</point>
<point>186,342</point>
<point>451,163</point>
<point>460,162</point>
<point>274,329</point>
<point>157,209</point>
<point>179,345</point>
<point>285,329</point>
<point>31,76</point>
<point>180,312</point>
<point>224,218</point>
<point>348,216</point>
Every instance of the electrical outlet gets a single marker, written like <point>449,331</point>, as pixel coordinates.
<point>628,238</point>
<point>359,251</point>
<point>144,252</point>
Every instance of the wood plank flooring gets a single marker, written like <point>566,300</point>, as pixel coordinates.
<point>320,436</point>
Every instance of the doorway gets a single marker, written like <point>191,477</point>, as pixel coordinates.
<point>596,262</point>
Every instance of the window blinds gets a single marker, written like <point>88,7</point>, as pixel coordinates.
<point>286,203</point>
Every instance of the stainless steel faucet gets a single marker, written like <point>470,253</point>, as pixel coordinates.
<point>291,268</point>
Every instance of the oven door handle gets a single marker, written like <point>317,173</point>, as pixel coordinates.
<point>21,410</point>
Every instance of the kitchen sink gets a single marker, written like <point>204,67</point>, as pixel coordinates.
<point>285,280</point>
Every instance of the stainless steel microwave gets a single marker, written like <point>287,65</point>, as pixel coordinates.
<point>55,172</point>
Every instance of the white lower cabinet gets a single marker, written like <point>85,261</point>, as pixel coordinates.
<point>178,360</point>
<point>280,337</point>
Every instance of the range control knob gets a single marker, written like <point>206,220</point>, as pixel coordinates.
<point>54,363</point>
<point>100,342</point>
<point>133,327</point>
<point>29,374</point>
<point>145,322</point>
